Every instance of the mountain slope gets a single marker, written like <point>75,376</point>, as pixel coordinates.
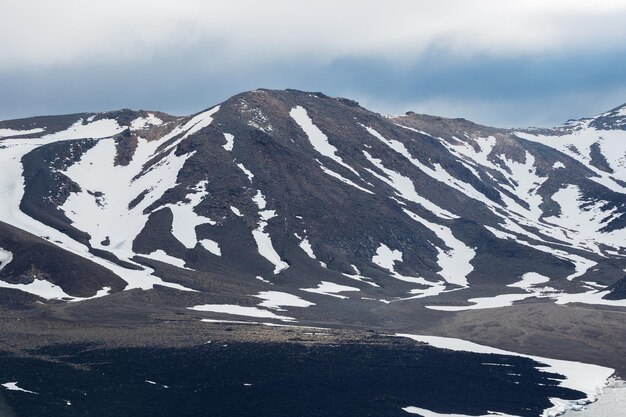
<point>319,198</point>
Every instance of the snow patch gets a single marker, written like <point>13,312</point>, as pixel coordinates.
<point>12,192</point>
<point>115,222</point>
<point>343,179</point>
<point>529,280</point>
<point>577,144</point>
<point>528,283</point>
<point>108,215</point>
<point>230,142</point>
<point>266,248</point>
<point>12,386</point>
<point>358,277</point>
<point>427,413</point>
<point>263,239</point>
<point>611,403</point>
<point>102,128</point>
<point>527,181</point>
<point>305,245</point>
<point>199,122</point>
<point>438,173</point>
<point>275,300</point>
<point>586,378</point>
<point>581,265</point>
<point>212,246</point>
<point>185,219</point>
<point>386,258</point>
<point>502,300</point>
<point>331,289</point>
<point>589,297</point>
<point>11,132</point>
<point>161,256</point>
<point>583,220</point>
<point>246,171</point>
<point>5,258</point>
<point>49,291</point>
<point>141,123</point>
<point>316,137</point>
<point>259,200</point>
<point>455,263</point>
<point>228,321</point>
<point>236,310</point>
<point>405,188</point>
<point>260,278</point>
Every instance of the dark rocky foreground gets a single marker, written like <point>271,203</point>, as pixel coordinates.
<point>101,366</point>
<point>309,373</point>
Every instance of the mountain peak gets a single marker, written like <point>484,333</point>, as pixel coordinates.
<point>290,95</point>
<point>614,119</point>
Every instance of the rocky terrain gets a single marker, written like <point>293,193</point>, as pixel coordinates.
<point>137,228</point>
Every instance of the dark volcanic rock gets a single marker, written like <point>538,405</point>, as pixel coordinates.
<point>39,259</point>
<point>618,290</point>
<point>278,379</point>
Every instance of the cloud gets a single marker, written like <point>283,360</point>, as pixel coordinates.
<point>498,62</point>
<point>503,92</point>
<point>236,32</point>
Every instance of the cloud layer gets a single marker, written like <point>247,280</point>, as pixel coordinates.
<point>435,55</point>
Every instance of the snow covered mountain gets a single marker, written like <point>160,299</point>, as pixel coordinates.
<point>289,205</point>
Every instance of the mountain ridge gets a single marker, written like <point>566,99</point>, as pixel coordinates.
<point>6,123</point>
<point>499,134</point>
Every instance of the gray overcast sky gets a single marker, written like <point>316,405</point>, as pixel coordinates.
<point>505,63</point>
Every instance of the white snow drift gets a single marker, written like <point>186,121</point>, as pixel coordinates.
<point>586,378</point>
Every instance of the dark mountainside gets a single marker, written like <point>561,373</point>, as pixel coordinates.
<point>125,229</point>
